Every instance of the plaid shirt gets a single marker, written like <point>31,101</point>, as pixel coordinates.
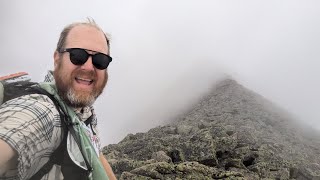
<point>31,125</point>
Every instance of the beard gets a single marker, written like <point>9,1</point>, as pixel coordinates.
<point>77,98</point>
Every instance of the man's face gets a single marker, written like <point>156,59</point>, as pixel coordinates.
<point>80,85</point>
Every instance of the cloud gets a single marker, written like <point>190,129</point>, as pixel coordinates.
<point>169,53</point>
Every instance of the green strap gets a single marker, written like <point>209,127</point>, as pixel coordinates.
<point>98,172</point>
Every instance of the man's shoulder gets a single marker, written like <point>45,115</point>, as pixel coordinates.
<point>33,104</point>
<point>32,98</point>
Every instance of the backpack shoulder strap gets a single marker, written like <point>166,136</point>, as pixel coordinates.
<point>1,92</point>
<point>17,89</point>
<point>55,157</point>
<point>60,155</point>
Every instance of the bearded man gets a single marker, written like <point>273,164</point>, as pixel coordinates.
<point>31,126</point>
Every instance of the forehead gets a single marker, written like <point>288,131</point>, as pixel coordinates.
<point>87,37</point>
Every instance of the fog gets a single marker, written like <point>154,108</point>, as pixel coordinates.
<point>167,54</point>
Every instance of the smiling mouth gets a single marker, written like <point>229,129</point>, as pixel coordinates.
<point>84,81</point>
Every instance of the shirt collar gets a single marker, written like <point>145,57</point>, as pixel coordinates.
<point>49,77</point>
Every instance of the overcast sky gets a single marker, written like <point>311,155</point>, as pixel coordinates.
<point>169,53</point>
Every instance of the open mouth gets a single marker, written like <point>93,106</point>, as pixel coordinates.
<point>84,81</point>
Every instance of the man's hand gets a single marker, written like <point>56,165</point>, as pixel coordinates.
<point>107,167</point>
<point>8,157</point>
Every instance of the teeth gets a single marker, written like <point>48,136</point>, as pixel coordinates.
<point>82,79</point>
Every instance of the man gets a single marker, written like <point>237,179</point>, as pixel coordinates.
<point>30,126</point>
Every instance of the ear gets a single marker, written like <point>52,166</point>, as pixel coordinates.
<point>56,57</point>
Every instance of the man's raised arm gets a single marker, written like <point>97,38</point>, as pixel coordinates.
<point>8,157</point>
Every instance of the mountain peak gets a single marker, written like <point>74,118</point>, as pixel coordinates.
<point>231,133</point>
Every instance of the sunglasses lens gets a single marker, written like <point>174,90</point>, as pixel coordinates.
<point>101,61</point>
<point>78,56</point>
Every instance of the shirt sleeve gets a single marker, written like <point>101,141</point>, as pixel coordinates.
<point>30,125</point>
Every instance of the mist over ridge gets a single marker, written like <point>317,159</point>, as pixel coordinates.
<point>167,54</point>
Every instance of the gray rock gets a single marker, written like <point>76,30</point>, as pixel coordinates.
<point>161,156</point>
<point>232,133</point>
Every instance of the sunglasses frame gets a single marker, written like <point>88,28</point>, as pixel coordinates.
<point>94,60</point>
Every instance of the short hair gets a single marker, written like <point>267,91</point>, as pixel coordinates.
<point>65,32</point>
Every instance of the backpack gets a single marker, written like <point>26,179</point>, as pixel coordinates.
<point>19,84</point>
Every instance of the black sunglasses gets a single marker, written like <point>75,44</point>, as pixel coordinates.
<point>79,56</point>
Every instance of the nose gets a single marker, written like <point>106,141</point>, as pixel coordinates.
<point>88,65</point>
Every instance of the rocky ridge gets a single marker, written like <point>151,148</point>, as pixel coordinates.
<point>233,133</point>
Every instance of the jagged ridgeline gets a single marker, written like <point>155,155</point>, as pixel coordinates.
<point>233,133</point>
